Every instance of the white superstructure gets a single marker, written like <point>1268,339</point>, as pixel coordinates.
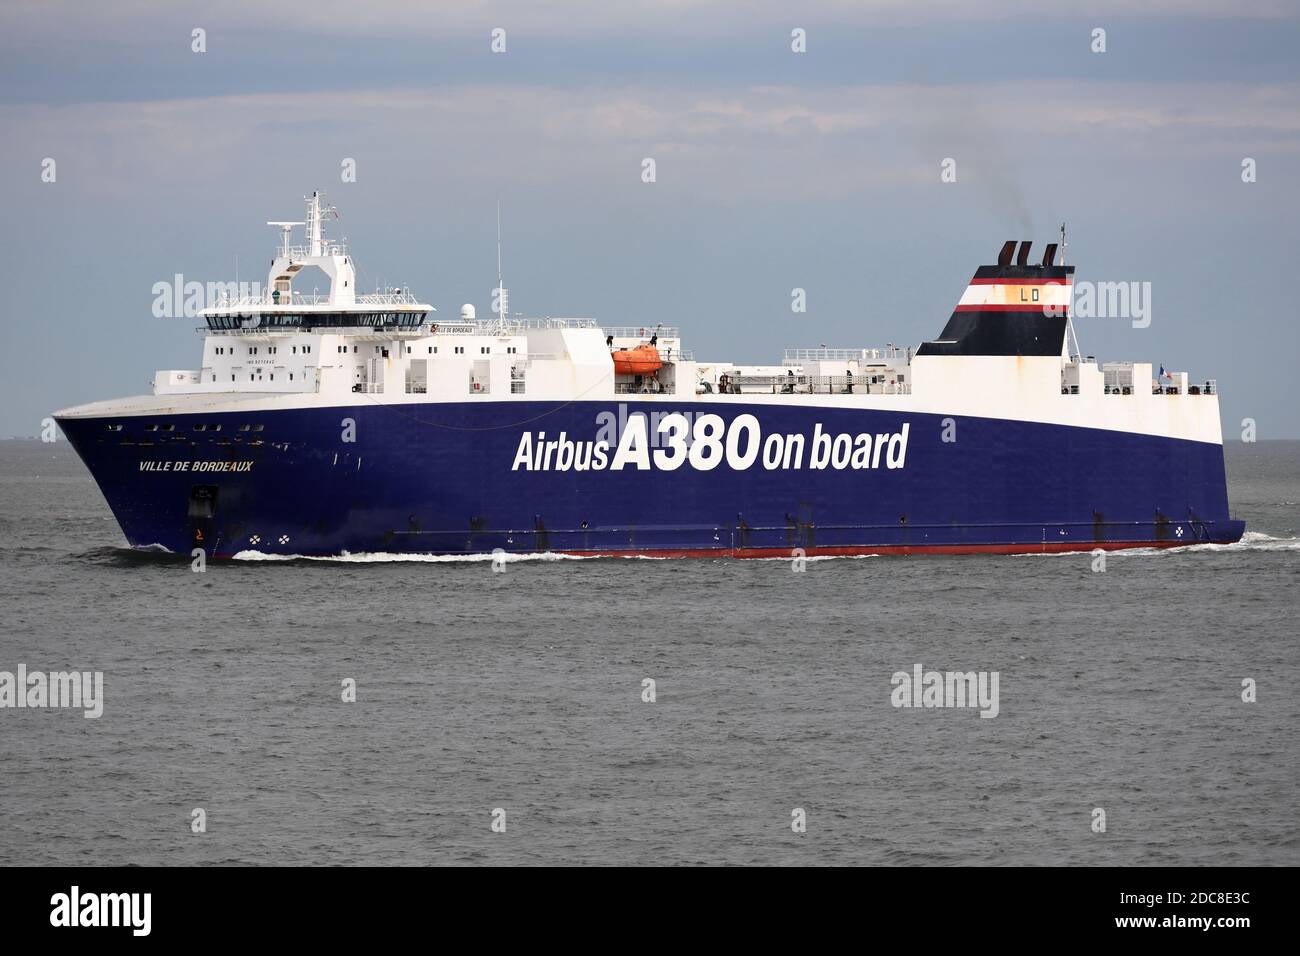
<point>289,349</point>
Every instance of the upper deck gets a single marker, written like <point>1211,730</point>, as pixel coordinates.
<point>377,312</point>
<point>285,348</point>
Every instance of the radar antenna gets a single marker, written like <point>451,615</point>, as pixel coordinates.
<point>286,230</point>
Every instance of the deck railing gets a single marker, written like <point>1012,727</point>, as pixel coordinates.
<point>642,331</point>
<point>1209,387</point>
<point>812,385</point>
<point>289,300</point>
<point>890,353</point>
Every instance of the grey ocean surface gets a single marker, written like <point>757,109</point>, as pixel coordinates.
<point>522,690</point>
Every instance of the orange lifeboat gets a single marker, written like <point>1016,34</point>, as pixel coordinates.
<point>642,360</point>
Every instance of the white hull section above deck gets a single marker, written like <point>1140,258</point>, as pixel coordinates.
<point>993,387</point>
<point>289,350</point>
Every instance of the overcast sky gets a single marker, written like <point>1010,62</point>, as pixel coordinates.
<point>774,170</point>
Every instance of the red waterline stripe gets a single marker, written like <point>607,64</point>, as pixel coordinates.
<point>903,550</point>
<point>1050,547</point>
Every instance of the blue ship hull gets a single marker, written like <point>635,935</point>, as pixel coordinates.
<point>438,478</point>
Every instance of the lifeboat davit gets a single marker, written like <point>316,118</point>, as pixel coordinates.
<point>642,360</point>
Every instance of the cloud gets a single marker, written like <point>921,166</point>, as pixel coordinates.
<point>788,142</point>
<point>578,18</point>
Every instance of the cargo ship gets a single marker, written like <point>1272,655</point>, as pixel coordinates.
<point>344,422</point>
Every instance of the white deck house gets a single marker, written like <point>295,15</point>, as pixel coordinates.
<point>344,346</point>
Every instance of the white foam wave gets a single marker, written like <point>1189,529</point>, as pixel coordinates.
<point>381,557</point>
<point>1250,541</point>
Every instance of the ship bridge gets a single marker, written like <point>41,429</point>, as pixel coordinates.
<point>280,306</point>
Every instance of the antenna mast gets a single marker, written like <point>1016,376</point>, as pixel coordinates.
<point>1069,311</point>
<point>503,300</point>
